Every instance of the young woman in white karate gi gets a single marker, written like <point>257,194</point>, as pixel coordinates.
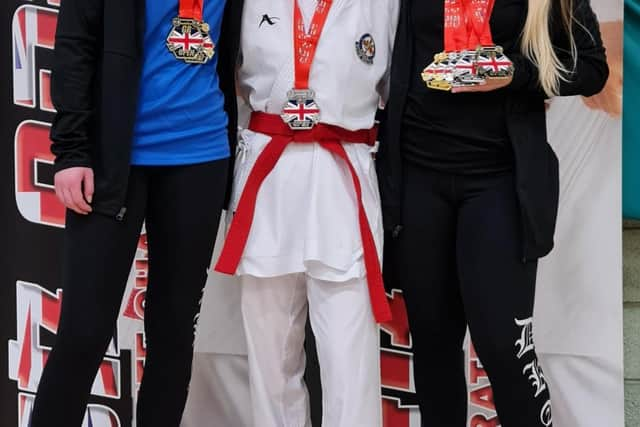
<point>307,231</point>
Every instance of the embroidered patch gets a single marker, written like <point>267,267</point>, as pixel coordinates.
<point>366,49</point>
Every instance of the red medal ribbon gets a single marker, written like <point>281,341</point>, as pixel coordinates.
<point>467,24</point>
<point>305,43</point>
<point>330,138</point>
<point>191,9</point>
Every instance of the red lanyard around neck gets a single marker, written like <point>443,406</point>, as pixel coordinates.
<point>467,24</point>
<point>191,9</point>
<point>305,43</point>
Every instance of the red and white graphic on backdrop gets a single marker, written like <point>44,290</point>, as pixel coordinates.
<point>37,312</point>
<point>134,306</point>
<point>398,383</point>
<point>35,195</point>
<point>34,27</point>
<point>396,365</point>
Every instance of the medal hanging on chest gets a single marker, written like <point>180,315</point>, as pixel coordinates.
<point>301,111</point>
<point>469,56</point>
<point>189,38</point>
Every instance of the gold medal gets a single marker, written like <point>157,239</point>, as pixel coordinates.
<point>189,41</point>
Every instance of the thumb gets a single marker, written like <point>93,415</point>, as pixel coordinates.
<point>88,185</point>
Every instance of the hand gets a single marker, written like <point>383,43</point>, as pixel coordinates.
<point>491,84</point>
<point>74,188</point>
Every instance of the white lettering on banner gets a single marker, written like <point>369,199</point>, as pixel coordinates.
<point>37,315</point>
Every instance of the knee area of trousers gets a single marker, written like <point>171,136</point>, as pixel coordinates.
<point>170,349</point>
<point>506,359</point>
<point>82,340</point>
<point>438,343</point>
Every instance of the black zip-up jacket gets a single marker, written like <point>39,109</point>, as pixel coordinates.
<point>536,165</point>
<point>96,74</point>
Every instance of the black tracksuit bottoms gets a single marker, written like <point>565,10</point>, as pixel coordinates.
<point>181,207</point>
<point>460,260</point>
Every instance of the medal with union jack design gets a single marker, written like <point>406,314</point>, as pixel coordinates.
<point>301,112</point>
<point>492,62</point>
<point>470,56</point>
<point>189,38</point>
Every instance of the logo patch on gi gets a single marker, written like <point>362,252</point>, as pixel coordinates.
<point>366,49</point>
<point>266,19</point>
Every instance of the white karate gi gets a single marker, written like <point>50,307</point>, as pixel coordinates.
<point>305,244</point>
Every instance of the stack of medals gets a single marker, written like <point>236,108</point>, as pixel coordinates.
<point>301,111</point>
<point>470,56</point>
<point>189,39</point>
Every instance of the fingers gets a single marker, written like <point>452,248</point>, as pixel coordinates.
<point>59,194</point>
<point>69,203</point>
<point>88,185</point>
<point>466,89</point>
<point>489,85</point>
<point>78,199</point>
<point>74,188</point>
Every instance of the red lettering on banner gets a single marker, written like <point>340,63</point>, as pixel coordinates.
<point>398,328</point>
<point>24,370</point>
<point>396,370</point>
<point>46,28</point>
<point>51,306</point>
<point>476,371</point>
<point>33,26</point>
<point>35,196</point>
<point>135,303</point>
<point>396,365</point>
<point>109,380</point>
<point>480,420</point>
<point>141,355</point>
<point>36,307</point>
<point>46,103</point>
<point>483,397</point>
<point>392,415</point>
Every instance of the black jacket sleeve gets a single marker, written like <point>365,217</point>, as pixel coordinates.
<point>589,73</point>
<point>229,45</point>
<point>74,69</point>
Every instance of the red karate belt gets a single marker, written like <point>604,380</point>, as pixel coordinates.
<point>330,138</point>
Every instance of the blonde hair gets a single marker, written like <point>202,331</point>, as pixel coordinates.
<point>538,47</point>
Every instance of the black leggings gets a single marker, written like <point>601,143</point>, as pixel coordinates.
<point>182,207</point>
<point>459,258</point>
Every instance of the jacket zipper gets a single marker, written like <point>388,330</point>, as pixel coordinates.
<point>121,214</point>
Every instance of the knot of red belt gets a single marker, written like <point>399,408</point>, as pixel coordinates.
<point>330,138</point>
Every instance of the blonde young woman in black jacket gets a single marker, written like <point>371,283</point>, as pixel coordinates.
<point>470,193</point>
